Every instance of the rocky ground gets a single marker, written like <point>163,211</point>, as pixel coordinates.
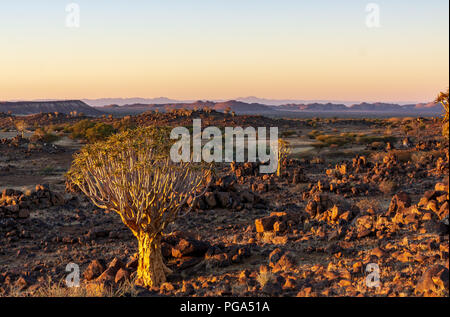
<point>333,219</point>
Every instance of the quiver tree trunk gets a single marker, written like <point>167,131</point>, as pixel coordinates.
<point>151,269</point>
<point>279,169</point>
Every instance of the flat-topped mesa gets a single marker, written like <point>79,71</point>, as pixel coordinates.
<point>62,106</point>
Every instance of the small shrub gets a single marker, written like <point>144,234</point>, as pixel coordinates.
<point>48,170</point>
<point>21,126</point>
<point>363,139</point>
<point>286,134</point>
<point>78,130</point>
<point>263,278</point>
<point>90,131</point>
<point>44,136</point>
<point>403,156</point>
<point>377,145</point>
<point>387,187</point>
<point>367,203</point>
<point>99,132</point>
<point>419,157</point>
<point>313,134</point>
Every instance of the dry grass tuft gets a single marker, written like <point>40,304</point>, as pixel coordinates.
<point>264,277</point>
<point>50,289</point>
<point>387,187</point>
<point>369,203</point>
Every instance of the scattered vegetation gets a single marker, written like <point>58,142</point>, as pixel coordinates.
<point>43,135</point>
<point>346,138</point>
<point>90,131</point>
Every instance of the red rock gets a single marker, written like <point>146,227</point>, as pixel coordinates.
<point>279,226</point>
<point>132,264</point>
<point>122,275</point>
<point>115,265</point>
<point>94,270</point>
<point>285,263</point>
<point>399,202</point>
<point>433,280</point>
<point>443,211</point>
<point>265,224</point>
<point>378,252</point>
<point>210,199</point>
<point>107,277</point>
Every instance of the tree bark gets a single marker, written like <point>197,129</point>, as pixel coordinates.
<point>279,167</point>
<point>151,271</point>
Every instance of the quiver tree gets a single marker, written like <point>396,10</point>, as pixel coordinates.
<point>443,99</point>
<point>21,126</point>
<point>131,174</point>
<point>283,151</point>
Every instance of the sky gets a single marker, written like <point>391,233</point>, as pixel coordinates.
<point>224,49</point>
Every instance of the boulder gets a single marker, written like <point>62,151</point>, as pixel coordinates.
<point>433,280</point>
<point>122,275</point>
<point>94,270</point>
<point>265,224</point>
<point>224,199</point>
<point>398,203</point>
<point>189,247</point>
<point>210,199</point>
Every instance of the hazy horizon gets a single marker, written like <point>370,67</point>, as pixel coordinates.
<point>290,50</point>
<point>186,100</point>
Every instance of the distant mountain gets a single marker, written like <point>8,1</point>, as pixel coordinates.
<point>255,105</point>
<point>379,107</point>
<point>257,108</point>
<point>63,106</point>
<point>233,105</point>
<point>128,101</point>
<point>101,102</point>
<point>314,107</point>
<point>163,101</point>
<point>364,106</point>
<point>242,107</point>
<point>142,107</point>
<point>431,106</point>
<point>282,102</point>
<point>389,107</point>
